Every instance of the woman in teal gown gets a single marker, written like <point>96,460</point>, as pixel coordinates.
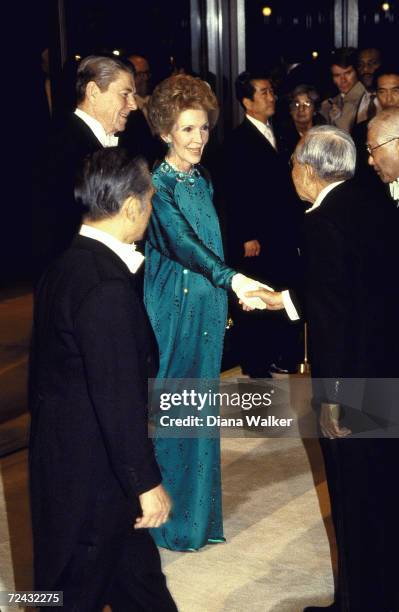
<point>186,300</point>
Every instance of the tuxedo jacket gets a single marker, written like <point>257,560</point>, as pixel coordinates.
<point>350,247</point>
<point>261,205</point>
<point>92,352</point>
<point>56,215</point>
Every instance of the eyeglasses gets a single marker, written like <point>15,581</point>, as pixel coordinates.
<point>371,149</point>
<point>301,104</point>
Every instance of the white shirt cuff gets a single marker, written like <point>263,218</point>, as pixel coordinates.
<point>289,306</point>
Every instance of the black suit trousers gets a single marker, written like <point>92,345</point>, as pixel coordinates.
<point>362,482</point>
<point>123,572</point>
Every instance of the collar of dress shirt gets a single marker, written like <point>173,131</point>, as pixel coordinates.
<point>394,189</point>
<point>107,140</point>
<point>127,252</point>
<point>264,128</point>
<point>322,195</point>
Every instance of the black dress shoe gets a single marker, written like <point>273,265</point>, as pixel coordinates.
<point>330,608</point>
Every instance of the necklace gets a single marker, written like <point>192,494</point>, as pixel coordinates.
<point>181,177</point>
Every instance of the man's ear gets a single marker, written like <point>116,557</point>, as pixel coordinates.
<point>131,208</point>
<point>247,102</point>
<point>92,90</point>
<point>309,173</point>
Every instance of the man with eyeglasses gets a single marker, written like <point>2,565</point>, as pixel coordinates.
<point>349,299</point>
<point>386,79</point>
<point>138,138</point>
<point>383,149</point>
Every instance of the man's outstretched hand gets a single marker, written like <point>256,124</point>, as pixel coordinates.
<point>156,505</point>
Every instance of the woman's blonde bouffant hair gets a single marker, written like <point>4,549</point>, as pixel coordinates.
<point>176,94</point>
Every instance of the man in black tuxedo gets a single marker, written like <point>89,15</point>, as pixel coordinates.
<point>350,299</point>
<point>105,96</point>
<point>263,218</point>
<point>95,484</point>
<point>383,147</point>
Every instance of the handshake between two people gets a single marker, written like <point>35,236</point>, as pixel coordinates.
<point>253,294</point>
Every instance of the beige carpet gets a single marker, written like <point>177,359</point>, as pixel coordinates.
<point>277,555</point>
<point>276,558</point>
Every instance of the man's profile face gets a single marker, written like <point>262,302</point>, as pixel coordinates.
<point>113,105</point>
<point>368,62</point>
<point>385,159</point>
<point>388,90</point>
<point>263,103</point>
<point>344,78</point>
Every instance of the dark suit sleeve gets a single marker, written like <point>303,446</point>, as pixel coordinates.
<point>244,193</point>
<point>328,297</point>
<point>105,331</point>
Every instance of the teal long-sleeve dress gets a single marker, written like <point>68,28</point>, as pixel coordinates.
<point>186,300</point>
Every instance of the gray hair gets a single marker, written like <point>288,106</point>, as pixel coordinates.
<point>307,90</point>
<point>330,151</point>
<point>100,69</point>
<point>387,123</point>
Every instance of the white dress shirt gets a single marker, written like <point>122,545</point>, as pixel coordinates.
<point>362,111</point>
<point>107,140</point>
<point>287,301</point>
<point>394,189</point>
<point>127,252</point>
<point>265,129</point>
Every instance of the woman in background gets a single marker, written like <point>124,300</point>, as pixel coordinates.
<point>303,105</point>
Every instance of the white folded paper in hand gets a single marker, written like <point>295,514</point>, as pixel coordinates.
<point>241,284</point>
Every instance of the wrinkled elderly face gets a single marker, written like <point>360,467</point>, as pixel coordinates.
<point>368,62</point>
<point>263,104</point>
<point>388,90</point>
<point>301,109</point>
<point>385,158</point>
<point>112,106</point>
<point>188,138</point>
<point>344,78</point>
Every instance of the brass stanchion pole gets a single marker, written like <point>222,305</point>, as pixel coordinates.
<point>304,367</point>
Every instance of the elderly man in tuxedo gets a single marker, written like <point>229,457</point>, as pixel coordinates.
<point>383,148</point>
<point>263,220</point>
<point>105,93</point>
<point>350,299</point>
<point>95,484</point>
